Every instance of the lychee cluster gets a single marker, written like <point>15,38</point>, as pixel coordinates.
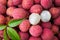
<point>41,18</point>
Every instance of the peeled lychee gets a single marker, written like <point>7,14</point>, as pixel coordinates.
<point>10,11</point>
<point>57,21</point>
<point>2,19</point>
<point>36,9</point>
<point>34,38</point>
<point>19,13</point>
<point>46,3</point>
<point>47,34</point>
<point>54,12</point>
<point>35,30</point>
<point>45,16</point>
<point>34,18</point>
<point>46,24</point>
<point>24,26</point>
<point>26,4</point>
<point>24,36</point>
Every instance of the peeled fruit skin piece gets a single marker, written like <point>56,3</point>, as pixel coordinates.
<point>10,11</point>
<point>54,12</point>
<point>35,30</point>
<point>24,36</point>
<point>46,3</point>
<point>24,26</point>
<point>45,16</point>
<point>36,9</point>
<point>26,4</point>
<point>34,18</point>
<point>34,38</point>
<point>2,19</point>
<point>57,21</point>
<point>57,2</point>
<point>2,9</point>
<point>55,29</point>
<point>19,13</point>
<point>46,24</point>
<point>47,34</point>
<point>3,2</point>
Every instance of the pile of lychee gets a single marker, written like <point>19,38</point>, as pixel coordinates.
<point>41,18</point>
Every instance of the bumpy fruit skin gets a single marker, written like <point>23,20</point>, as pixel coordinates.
<point>37,1</point>
<point>54,12</point>
<point>57,2</point>
<point>46,3</point>
<point>57,21</point>
<point>55,38</point>
<point>55,29</point>
<point>45,16</point>
<point>24,26</point>
<point>3,2</point>
<point>47,34</point>
<point>34,18</point>
<point>2,19</point>
<point>36,9</point>
<point>19,13</point>
<point>35,30</point>
<point>1,33</point>
<point>13,3</point>
<point>34,38</point>
<point>24,36</point>
<point>10,11</point>
<point>26,4</point>
<point>10,3</point>
<point>2,9</point>
<point>46,24</point>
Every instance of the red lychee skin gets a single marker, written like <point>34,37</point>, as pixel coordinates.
<point>24,36</point>
<point>57,2</point>
<point>2,9</point>
<point>2,19</point>
<point>10,11</point>
<point>26,4</point>
<point>24,26</point>
<point>55,38</point>
<point>13,3</point>
<point>1,33</point>
<point>17,2</point>
<point>3,2</point>
<point>54,12</point>
<point>37,1</point>
<point>36,9</point>
<point>46,3</point>
<point>47,34</point>
<point>59,35</point>
<point>10,3</point>
<point>46,25</point>
<point>55,29</point>
<point>35,30</point>
<point>34,38</point>
<point>20,6</point>
<point>19,13</point>
<point>57,21</point>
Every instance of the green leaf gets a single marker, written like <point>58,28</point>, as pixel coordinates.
<point>5,35</point>
<point>14,23</point>
<point>2,27</point>
<point>12,34</point>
